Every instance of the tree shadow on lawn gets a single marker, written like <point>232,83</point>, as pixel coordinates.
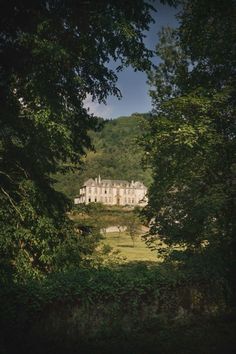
<point>129,246</point>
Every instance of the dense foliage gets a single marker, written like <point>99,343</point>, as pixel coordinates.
<point>117,155</point>
<point>190,139</point>
<point>68,308</point>
<point>53,54</point>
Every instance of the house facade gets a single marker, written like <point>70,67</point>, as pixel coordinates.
<point>112,192</point>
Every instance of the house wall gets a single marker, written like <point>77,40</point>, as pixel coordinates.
<point>111,193</point>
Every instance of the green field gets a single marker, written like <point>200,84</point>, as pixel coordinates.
<point>132,252</point>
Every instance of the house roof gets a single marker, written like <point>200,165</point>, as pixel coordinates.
<point>89,182</point>
<point>113,182</point>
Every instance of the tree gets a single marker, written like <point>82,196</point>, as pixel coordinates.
<point>133,226</point>
<point>121,224</point>
<point>54,54</point>
<point>190,139</point>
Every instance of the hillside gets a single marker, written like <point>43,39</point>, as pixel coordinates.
<point>117,155</point>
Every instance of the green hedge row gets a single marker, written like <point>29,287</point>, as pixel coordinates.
<point>128,286</point>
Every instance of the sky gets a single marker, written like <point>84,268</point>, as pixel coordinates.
<point>133,85</point>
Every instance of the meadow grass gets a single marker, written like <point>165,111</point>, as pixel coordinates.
<point>137,251</point>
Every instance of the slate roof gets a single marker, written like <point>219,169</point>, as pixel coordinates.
<point>113,182</point>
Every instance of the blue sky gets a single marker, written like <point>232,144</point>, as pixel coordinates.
<point>132,84</point>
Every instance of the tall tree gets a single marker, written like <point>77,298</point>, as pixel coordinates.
<point>190,139</point>
<point>52,55</point>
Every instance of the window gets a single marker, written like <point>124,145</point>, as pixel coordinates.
<point>89,200</point>
<point>95,199</point>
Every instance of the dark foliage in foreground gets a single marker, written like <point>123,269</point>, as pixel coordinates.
<point>54,54</point>
<point>133,308</point>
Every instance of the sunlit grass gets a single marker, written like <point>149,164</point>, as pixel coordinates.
<point>137,251</point>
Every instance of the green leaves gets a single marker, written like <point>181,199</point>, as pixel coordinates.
<point>191,135</point>
<point>52,56</point>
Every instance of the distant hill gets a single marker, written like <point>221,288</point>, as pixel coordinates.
<point>117,155</point>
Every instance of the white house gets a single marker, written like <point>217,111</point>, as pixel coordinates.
<point>112,192</point>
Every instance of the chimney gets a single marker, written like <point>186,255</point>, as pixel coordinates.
<point>99,179</point>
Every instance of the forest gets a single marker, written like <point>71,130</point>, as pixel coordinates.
<point>64,283</point>
<point>118,138</point>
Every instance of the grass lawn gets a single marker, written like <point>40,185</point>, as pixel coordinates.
<point>124,243</point>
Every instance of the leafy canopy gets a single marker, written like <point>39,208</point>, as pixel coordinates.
<point>190,139</point>
<point>54,54</point>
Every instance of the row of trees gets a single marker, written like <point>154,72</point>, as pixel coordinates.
<point>190,138</point>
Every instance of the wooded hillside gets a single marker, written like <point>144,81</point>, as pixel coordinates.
<point>117,155</point>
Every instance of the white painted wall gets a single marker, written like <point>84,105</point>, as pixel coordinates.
<point>98,191</point>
